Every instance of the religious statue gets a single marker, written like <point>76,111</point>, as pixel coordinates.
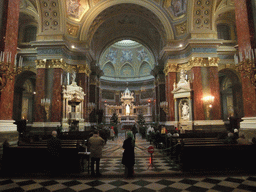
<point>185,111</point>
<point>127,109</point>
<point>73,77</point>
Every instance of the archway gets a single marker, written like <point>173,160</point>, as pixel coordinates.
<point>231,94</point>
<point>24,91</point>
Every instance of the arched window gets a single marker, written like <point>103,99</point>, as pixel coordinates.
<point>29,33</point>
<point>223,32</point>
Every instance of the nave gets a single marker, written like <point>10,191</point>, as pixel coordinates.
<point>162,176</point>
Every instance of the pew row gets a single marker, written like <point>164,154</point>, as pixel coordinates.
<point>220,157</point>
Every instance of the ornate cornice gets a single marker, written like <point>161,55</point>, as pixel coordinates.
<point>204,62</point>
<point>170,67</point>
<point>84,69</point>
<point>55,64</point>
<point>40,64</point>
<point>214,61</point>
<point>196,62</point>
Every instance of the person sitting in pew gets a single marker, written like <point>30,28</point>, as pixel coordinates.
<point>242,141</point>
<point>230,139</point>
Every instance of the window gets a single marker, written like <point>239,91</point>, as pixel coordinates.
<point>223,32</point>
<point>29,33</point>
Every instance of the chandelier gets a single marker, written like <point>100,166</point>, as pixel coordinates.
<point>7,70</point>
<point>245,63</point>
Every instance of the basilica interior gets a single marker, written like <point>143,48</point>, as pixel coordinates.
<point>183,64</point>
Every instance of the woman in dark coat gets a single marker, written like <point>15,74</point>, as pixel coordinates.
<point>128,156</point>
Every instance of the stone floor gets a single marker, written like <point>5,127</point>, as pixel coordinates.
<point>162,176</point>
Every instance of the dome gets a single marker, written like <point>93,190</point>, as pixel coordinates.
<point>127,60</point>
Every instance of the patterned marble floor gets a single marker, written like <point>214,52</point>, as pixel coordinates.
<point>163,177</point>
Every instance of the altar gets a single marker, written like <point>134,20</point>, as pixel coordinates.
<point>127,112</point>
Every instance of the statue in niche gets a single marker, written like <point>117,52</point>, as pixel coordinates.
<point>185,111</point>
<point>73,77</point>
<point>127,109</point>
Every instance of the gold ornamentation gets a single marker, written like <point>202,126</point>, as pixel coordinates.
<point>181,28</point>
<point>247,67</point>
<point>170,67</point>
<point>8,71</point>
<point>72,30</point>
<point>84,69</point>
<point>40,64</point>
<point>213,61</point>
<point>196,62</point>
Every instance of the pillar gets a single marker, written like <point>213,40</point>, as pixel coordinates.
<point>83,81</point>
<point>170,78</point>
<point>245,41</point>
<point>8,43</point>
<point>206,83</point>
<point>40,90</point>
<point>56,101</point>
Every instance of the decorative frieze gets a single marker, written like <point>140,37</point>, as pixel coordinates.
<point>84,69</point>
<point>40,64</point>
<point>170,67</point>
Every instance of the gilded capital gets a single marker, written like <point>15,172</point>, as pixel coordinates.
<point>196,62</point>
<point>170,67</point>
<point>84,69</point>
<point>57,64</point>
<point>213,61</point>
<point>40,64</point>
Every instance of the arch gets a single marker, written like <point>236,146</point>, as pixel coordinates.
<point>109,69</point>
<point>24,90</point>
<point>127,70</point>
<point>231,94</point>
<point>145,69</point>
<point>93,14</point>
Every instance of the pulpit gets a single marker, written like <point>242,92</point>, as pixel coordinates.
<point>73,102</point>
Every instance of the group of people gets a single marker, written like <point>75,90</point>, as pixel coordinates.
<point>95,144</point>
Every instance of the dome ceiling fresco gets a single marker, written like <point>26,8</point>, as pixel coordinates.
<point>127,60</point>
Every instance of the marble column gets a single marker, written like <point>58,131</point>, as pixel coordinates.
<point>83,81</point>
<point>248,125</point>
<point>170,73</point>
<point>56,106</point>
<point>40,90</point>
<point>9,44</point>
<point>204,84</point>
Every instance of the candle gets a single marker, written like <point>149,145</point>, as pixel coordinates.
<point>1,56</point>
<point>15,60</point>
<point>240,56</point>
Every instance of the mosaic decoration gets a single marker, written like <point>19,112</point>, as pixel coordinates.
<point>176,7</point>
<point>111,55</point>
<point>127,59</point>
<point>76,8</point>
<point>142,55</point>
<point>126,56</point>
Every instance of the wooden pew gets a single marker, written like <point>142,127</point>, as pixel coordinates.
<point>220,157</point>
<point>34,157</point>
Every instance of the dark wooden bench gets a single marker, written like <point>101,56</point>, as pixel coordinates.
<point>202,141</point>
<point>34,157</point>
<point>220,157</point>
